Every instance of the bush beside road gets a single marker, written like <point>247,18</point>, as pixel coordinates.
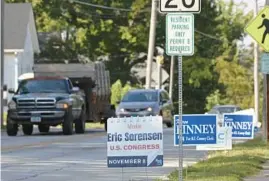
<point>91,126</point>
<point>244,160</point>
<point>4,122</point>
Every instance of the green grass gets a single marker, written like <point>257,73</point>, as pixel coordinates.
<point>244,160</point>
<point>95,126</point>
<point>5,119</point>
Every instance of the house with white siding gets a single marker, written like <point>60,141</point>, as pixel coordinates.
<point>20,42</point>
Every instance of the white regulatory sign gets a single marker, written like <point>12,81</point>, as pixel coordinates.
<point>191,6</point>
<point>224,140</point>
<point>180,34</point>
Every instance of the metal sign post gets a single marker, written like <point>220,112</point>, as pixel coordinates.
<point>180,42</point>
<point>180,144</point>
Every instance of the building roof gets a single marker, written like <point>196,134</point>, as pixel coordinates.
<point>17,17</point>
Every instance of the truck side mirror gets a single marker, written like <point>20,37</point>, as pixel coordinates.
<point>11,91</point>
<point>112,107</point>
<point>4,87</point>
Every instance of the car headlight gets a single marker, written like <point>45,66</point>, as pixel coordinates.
<point>12,105</point>
<point>122,110</point>
<point>149,109</point>
<point>61,105</point>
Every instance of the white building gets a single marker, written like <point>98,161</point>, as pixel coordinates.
<point>20,42</point>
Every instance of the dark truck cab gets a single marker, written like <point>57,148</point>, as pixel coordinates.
<point>46,101</point>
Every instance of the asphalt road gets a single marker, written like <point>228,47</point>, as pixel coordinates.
<point>53,156</point>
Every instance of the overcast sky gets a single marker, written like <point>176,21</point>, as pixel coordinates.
<point>251,5</point>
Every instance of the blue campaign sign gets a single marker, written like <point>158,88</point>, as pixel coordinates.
<point>242,125</point>
<point>197,129</point>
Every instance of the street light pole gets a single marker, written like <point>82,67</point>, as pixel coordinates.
<point>171,82</point>
<point>256,71</point>
<point>265,124</point>
<point>2,59</point>
<point>151,43</point>
<point>160,62</point>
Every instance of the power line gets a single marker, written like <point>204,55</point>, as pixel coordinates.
<point>128,10</point>
<point>208,35</point>
<point>99,6</point>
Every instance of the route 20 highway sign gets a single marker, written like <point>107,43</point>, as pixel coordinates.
<point>188,6</point>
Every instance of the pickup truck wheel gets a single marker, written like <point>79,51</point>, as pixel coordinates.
<point>106,124</point>
<point>12,129</point>
<point>27,129</point>
<point>68,123</point>
<point>80,123</point>
<point>43,128</point>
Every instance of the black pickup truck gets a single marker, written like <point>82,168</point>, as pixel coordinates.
<point>46,101</point>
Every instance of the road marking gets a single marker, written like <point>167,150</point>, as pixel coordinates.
<point>46,143</point>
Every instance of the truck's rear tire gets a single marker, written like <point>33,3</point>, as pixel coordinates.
<point>43,128</point>
<point>80,123</point>
<point>169,125</point>
<point>12,129</point>
<point>106,125</point>
<point>68,123</point>
<point>27,129</point>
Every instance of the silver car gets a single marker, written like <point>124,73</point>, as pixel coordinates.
<point>222,109</point>
<point>146,102</point>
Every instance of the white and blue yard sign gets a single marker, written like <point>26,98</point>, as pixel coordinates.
<point>197,129</point>
<point>242,125</point>
<point>135,142</point>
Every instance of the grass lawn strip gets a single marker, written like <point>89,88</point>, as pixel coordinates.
<point>91,126</point>
<point>244,160</point>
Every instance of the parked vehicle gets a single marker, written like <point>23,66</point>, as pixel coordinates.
<point>222,109</point>
<point>90,82</point>
<point>94,82</point>
<point>46,101</point>
<point>146,102</point>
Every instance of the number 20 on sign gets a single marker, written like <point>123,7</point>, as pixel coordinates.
<point>190,6</point>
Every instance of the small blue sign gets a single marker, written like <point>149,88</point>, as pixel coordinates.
<point>265,63</point>
<point>242,125</point>
<point>197,129</point>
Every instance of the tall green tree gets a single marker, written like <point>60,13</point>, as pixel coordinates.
<point>219,26</point>
<point>123,36</point>
<point>116,92</point>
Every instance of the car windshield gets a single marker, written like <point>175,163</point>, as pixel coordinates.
<point>140,97</point>
<point>221,110</point>
<point>42,86</point>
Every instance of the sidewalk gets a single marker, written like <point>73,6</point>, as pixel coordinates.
<point>263,175</point>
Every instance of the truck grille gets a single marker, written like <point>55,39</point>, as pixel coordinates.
<point>136,110</point>
<point>31,103</point>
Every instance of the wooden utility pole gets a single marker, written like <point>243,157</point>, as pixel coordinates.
<point>2,60</point>
<point>266,102</point>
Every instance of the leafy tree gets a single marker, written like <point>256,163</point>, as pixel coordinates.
<point>215,99</point>
<point>125,89</point>
<point>224,27</point>
<point>123,36</point>
<point>116,90</point>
